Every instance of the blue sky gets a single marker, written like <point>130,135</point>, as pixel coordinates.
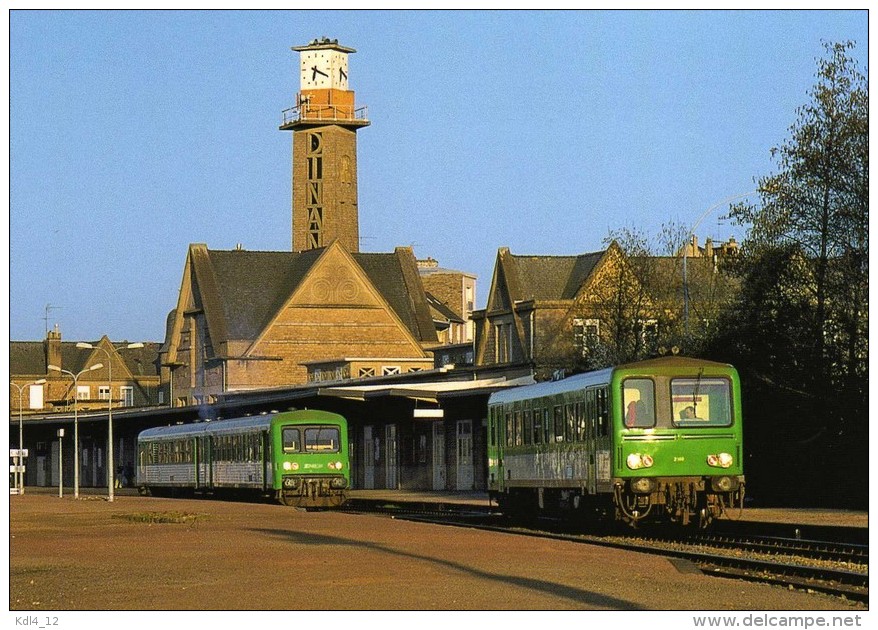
<point>134,134</point>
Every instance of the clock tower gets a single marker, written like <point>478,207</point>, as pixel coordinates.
<point>324,123</point>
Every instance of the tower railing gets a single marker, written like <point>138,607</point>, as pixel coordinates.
<point>327,113</point>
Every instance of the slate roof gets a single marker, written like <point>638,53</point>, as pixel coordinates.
<point>28,358</point>
<point>244,290</point>
<point>441,311</point>
<point>544,278</point>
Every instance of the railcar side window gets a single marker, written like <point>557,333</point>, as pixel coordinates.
<point>290,438</point>
<point>638,402</point>
<point>492,425</point>
<point>510,434</point>
<point>516,419</point>
<point>538,426</point>
<point>569,423</point>
<point>528,426</point>
<point>321,440</point>
<point>559,424</point>
<point>579,414</point>
<point>699,402</point>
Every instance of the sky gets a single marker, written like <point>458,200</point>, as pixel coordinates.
<point>133,134</point>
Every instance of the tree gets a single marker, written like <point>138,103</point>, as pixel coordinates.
<point>805,262</point>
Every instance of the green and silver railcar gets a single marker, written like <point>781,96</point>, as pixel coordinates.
<point>657,440</point>
<point>298,457</point>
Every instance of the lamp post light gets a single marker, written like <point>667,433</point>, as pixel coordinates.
<point>19,475</point>
<point>111,471</point>
<point>96,366</point>
<point>689,240</point>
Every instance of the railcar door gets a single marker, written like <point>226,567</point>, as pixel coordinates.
<point>591,426</point>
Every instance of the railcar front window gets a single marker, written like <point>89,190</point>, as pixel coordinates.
<point>321,440</point>
<point>291,440</point>
<point>638,402</point>
<point>699,402</point>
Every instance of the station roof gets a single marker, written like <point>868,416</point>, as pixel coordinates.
<point>428,391</point>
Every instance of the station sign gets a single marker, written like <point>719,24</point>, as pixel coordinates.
<point>18,452</point>
<point>429,413</point>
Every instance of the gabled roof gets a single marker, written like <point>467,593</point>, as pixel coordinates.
<point>546,278</point>
<point>441,311</point>
<point>28,358</point>
<point>242,291</point>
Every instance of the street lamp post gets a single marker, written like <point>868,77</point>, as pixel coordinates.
<point>19,475</point>
<point>689,238</point>
<point>111,471</point>
<point>96,366</point>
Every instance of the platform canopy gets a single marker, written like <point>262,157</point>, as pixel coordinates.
<point>428,391</point>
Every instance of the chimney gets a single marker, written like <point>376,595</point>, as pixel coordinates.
<point>53,347</point>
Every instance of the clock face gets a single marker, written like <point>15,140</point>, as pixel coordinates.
<point>322,69</point>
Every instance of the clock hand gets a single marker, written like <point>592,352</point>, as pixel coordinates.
<point>316,72</point>
<point>342,74</point>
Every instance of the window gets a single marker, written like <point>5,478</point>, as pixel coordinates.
<point>698,402</point>
<point>638,402</point>
<point>516,420</point>
<point>83,392</point>
<point>365,372</point>
<point>104,392</point>
<point>290,438</point>
<point>127,393</point>
<point>538,426</point>
<point>321,440</point>
<point>603,409</point>
<point>586,333</point>
<point>502,343</point>
<point>387,370</point>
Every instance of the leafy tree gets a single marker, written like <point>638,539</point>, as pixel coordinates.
<point>802,322</point>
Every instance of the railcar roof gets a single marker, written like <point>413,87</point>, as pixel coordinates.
<point>197,428</point>
<point>550,388</point>
<point>598,377</point>
<point>237,424</point>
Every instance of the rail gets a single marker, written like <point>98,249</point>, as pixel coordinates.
<point>327,113</point>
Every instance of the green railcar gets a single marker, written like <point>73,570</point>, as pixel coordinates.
<point>298,457</point>
<point>657,440</point>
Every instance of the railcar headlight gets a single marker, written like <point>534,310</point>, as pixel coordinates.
<point>721,460</point>
<point>288,465</point>
<point>637,461</point>
<point>336,465</point>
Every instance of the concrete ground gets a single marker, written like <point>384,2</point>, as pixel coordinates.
<point>90,554</point>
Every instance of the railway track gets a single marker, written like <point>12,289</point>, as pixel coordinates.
<point>831,567</point>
